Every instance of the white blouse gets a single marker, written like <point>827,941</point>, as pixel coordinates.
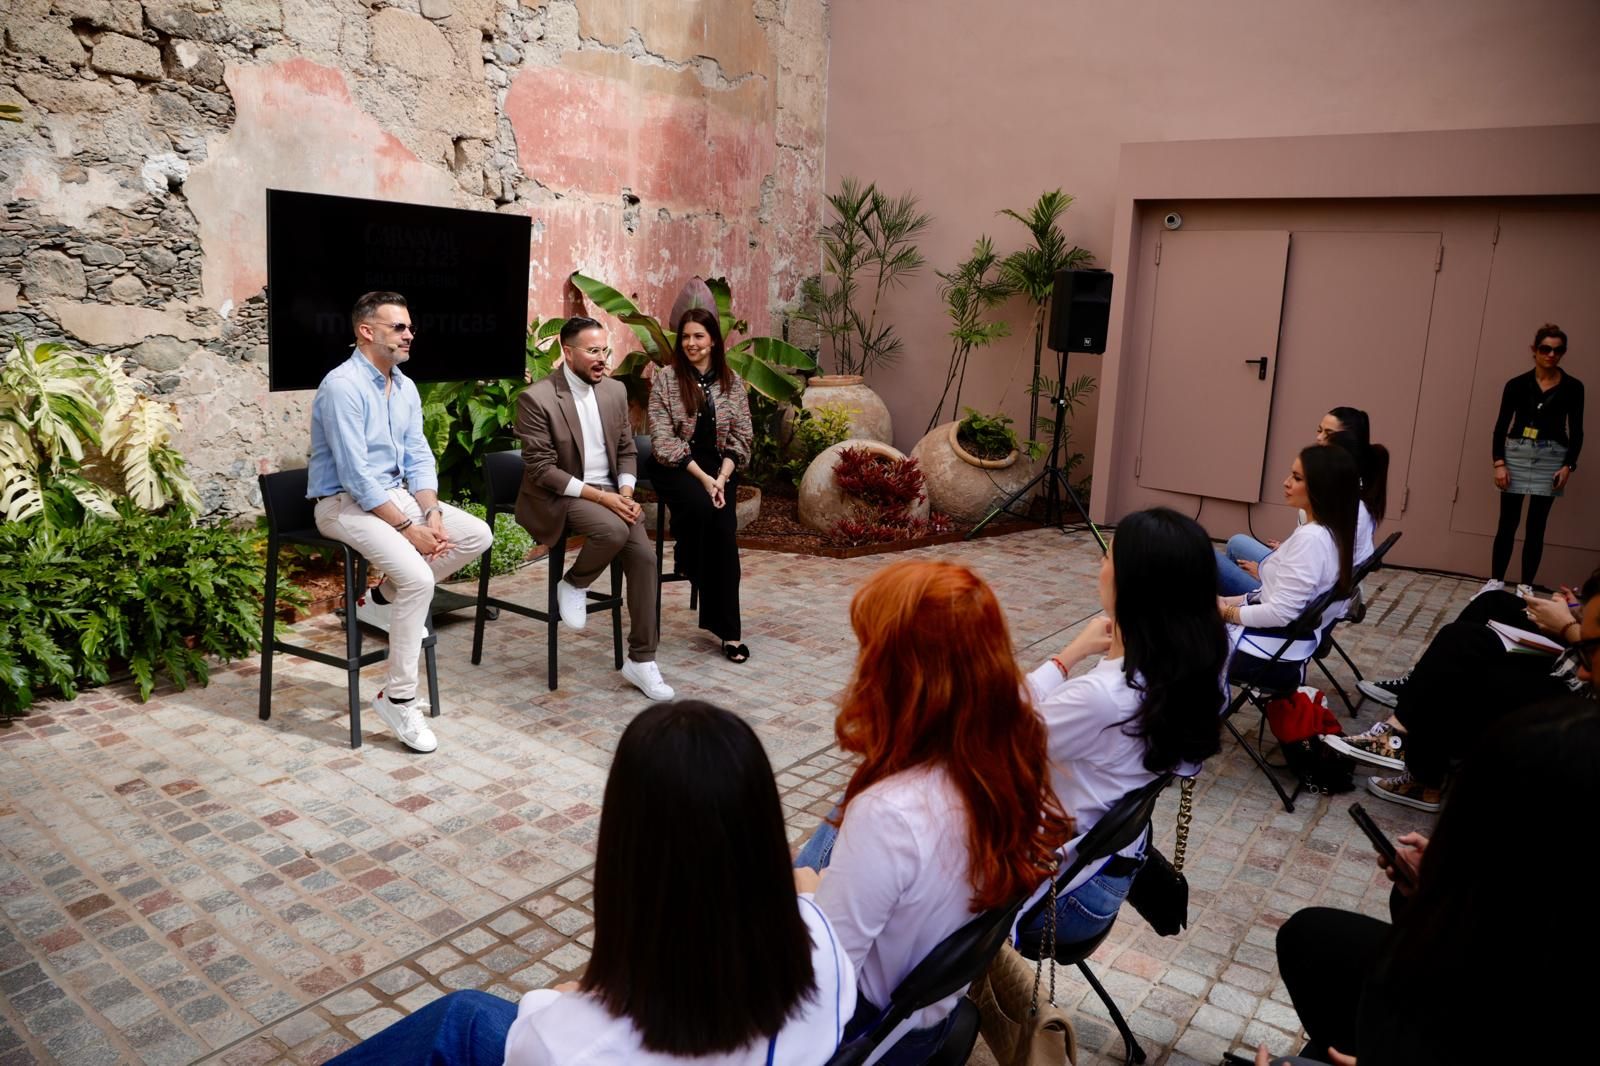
<point>898,881</point>
<point>1303,568</point>
<point>573,1029</point>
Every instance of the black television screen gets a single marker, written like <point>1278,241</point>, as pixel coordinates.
<point>464,275</point>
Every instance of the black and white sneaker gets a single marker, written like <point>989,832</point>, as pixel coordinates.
<point>1386,691</point>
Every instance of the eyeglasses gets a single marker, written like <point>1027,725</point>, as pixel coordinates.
<point>595,352</point>
<point>1552,349</point>
<point>400,327</point>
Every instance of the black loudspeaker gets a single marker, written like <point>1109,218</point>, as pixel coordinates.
<point>1080,310</point>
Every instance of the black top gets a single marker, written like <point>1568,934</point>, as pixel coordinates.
<point>1555,415</point>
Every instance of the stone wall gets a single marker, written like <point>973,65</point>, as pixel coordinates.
<point>649,141</point>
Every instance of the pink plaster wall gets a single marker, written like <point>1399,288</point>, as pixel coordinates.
<point>979,110</point>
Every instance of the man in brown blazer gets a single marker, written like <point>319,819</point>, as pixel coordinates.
<point>580,467</point>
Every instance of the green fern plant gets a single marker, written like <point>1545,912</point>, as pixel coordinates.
<point>75,435</point>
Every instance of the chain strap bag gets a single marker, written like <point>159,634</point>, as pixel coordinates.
<point>1160,892</point>
<point>1017,1029</point>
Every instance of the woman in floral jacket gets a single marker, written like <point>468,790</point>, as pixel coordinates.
<point>700,434</point>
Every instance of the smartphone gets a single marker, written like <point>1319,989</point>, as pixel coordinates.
<point>1382,844</point>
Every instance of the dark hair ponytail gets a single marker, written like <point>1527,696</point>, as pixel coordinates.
<point>1176,646</point>
<point>1333,483</point>
<point>1372,460</point>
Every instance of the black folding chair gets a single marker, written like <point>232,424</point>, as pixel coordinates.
<point>291,519</point>
<point>1373,563</point>
<point>955,962</point>
<point>641,444</point>
<point>502,481</point>
<point>1281,678</point>
<point>1122,825</point>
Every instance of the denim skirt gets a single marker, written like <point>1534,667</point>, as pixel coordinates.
<point>1532,465</point>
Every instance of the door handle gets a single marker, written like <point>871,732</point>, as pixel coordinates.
<point>1260,365</point>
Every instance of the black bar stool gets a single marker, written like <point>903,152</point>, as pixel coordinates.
<point>503,474</point>
<point>641,443</point>
<point>291,519</point>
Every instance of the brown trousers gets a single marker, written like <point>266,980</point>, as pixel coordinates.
<point>608,537</point>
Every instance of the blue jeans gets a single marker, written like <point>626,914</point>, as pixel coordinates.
<point>1232,581</point>
<point>462,1029</point>
<point>819,849</point>
<point>1087,910</point>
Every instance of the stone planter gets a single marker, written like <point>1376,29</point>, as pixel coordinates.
<point>963,486</point>
<point>822,502</point>
<point>869,416</point>
<point>746,508</point>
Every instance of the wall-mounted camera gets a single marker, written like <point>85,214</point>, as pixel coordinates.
<point>1173,220</point>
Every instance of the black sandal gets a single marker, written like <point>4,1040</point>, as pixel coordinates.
<point>736,653</point>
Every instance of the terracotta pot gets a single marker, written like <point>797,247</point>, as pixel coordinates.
<point>963,486</point>
<point>822,502</point>
<point>869,415</point>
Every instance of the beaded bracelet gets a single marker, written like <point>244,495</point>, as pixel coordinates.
<point>403,526</point>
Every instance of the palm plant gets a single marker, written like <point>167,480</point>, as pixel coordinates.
<point>870,242</point>
<point>766,364</point>
<point>75,433</point>
<point>1032,272</point>
<point>969,292</point>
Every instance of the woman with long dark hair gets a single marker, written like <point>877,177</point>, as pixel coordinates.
<point>702,952</point>
<point>700,434</point>
<point>1537,437</point>
<point>949,812</point>
<point>1396,993</point>
<point>1239,564</point>
<point>1149,707</point>
<point>1318,556</point>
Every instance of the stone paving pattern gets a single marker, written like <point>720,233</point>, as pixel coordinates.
<point>181,881</point>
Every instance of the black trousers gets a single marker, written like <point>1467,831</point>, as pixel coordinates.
<point>1505,534</point>
<point>707,549</point>
<point>1464,681</point>
<point>1325,957</point>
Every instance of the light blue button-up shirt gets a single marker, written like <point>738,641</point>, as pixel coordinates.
<point>366,443</point>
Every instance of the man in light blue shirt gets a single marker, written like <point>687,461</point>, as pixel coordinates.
<point>376,489</point>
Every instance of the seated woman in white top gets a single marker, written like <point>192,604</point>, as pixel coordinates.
<point>702,953</point>
<point>1239,565</point>
<point>1317,557</point>
<point>949,812</point>
<point>1150,706</point>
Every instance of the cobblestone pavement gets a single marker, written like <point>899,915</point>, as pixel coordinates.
<point>181,881</point>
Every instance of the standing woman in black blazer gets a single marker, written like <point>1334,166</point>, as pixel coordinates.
<point>1537,438</point>
<point>700,435</point>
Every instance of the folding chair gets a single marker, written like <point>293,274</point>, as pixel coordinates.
<point>1122,825</point>
<point>1283,677</point>
<point>641,444</point>
<point>292,519</point>
<point>955,962</point>
<point>1373,563</point>
<point>502,481</point>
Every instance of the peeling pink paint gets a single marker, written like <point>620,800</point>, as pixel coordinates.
<point>596,133</point>
<point>298,127</point>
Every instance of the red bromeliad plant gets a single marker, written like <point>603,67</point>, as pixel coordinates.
<point>887,488</point>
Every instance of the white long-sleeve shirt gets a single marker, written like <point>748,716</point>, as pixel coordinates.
<point>1303,568</point>
<point>570,1028</point>
<point>898,881</point>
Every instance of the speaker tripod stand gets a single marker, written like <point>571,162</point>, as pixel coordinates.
<point>1056,485</point>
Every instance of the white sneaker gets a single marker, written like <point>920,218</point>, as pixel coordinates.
<point>646,677</point>
<point>574,605</point>
<point>405,721</point>
<point>1492,585</point>
<point>370,612</point>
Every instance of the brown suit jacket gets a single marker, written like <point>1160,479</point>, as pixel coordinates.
<point>552,448</point>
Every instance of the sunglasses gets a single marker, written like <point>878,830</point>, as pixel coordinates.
<point>1552,349</point>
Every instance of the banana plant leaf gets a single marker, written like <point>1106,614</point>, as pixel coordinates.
<point>656,342</point>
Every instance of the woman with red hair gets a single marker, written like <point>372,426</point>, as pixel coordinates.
<point>950,812</point>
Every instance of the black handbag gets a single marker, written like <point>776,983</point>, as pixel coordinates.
<point>1160,892</point>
